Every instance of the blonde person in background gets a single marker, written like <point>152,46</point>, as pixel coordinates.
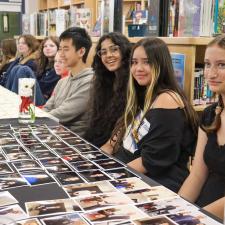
<point>206,182</point>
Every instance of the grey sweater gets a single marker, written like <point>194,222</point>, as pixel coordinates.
<point>69,101</point>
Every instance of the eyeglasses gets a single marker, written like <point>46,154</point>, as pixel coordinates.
<point>114,49</point>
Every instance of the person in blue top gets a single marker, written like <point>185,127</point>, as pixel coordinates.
<point>46,74</point>
<point>156,134</point>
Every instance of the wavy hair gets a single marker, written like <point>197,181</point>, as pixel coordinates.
<point>43,62</point>
<point>108,98</point>
<point>216,123</point>
<point>163,80</point>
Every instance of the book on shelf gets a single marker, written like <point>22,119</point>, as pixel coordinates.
<point>61,21</point>
<point>26,24</point>
<point>83,18</point>
<point>178,61</point>
<point>140,17</point>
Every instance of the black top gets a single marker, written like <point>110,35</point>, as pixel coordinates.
<point>166,148</point>
<point>214,157</point>
<point>47,82</point>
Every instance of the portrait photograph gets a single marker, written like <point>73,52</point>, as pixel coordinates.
<point>48,137</point>
<point>151,194</point>
<point>95,156</point>
<point>26,164</point>
<point>85,148</point>
<point>51,161</point>
<point>5,168</point>
<point>129,184</point>
<point>71,219</point>
<point>75,157</point>
<point>29,222</point>
<point>88,189</point>
<point>66,134</point>
<point>6,199</point>
<point>123,212</point>
<point>2,157</point>
<point>58,168</point>
<point>58,129</point>
<point>8,141</point>
<point>56,144</point>
<point>68,178</point>
<point>43,154</point>
<point>38,147</point>
<point>103,200</point>
<point>73,141</point>
<point>84,165</point>
<point>110,164</point>
<point>94,175</point>
<point>14,212</point>
<point>39,208</point>
<point>162,220</point>
<point>36,177</point>
<point>11,181</point>
<point>66,151</point>
<point>120,173</point>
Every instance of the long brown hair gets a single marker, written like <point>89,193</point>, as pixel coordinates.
<point>9,49</point>
<point>31,42</point>
<point>163,80</point>
<point>216,123</point>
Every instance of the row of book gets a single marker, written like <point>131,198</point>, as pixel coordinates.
<point>54,22</point>
<point>181,18</point>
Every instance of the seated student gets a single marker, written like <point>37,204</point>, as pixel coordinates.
<point>108,96</point>
<point>69,102</point>
<point>156,134</point>
<point>59,66</point>
<point>217,208</point>
<point>206,182</point>
<point>46,74</point>
<point>8,47</point>
<point>26,47</point>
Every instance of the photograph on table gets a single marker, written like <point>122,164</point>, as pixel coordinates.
<point>2,157</point>
<point>95,156</point>
<point>12,181</point>
<point>58,129</point>
<point>21,129</point>
<point>85,148</point>
<point>194,217</point>
<point>84,165</point>
<point>68,178</point>
<point>36,177</point>
<point>48,207</point>
<point>108,164</point>
<point>5,141</point>
<point>5,127</point>
<point>129,184</point>
<point>151,194</point>
<point>117,213</point>
<point>66,134</point>
<point>6,199</point>
<point>71,219</point>
<point>43,154</point>
<point>74,140</point>
<point>38,147</point>
<point>56,144</point>
<point>103,200</point>
<point>5,135</point>
<point>47,137</point>
<point>94,175</point>
<point>26,164</point>
<point>74,157</point>
<point>28,222</point>
<point>38,126</point>
<point>168,206</point>
<point>5,168</point>
<point>88,189</point>
<point>14,212</point>
<point>119,173</point>
<point>40,131</point>
<point>65,151</point>
<point>29,141</point>
<point>51,161</point>
<point>161,220</point>
<point>58,168</point>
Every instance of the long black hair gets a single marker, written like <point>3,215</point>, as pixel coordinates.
<point>108,96</point>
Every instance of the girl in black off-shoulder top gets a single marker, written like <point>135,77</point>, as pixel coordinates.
<point>157,134</point>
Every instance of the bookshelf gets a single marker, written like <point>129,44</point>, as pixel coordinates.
<point>45,5</point>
